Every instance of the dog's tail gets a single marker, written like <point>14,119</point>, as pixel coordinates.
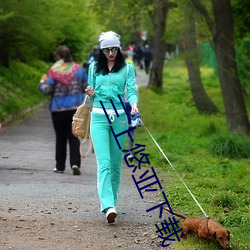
<point>176,213</point>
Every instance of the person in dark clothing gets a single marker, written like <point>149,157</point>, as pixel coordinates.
<point>93,55</point>
<point>147,54</point>
<point>139,56</point>
<point>65,83</point>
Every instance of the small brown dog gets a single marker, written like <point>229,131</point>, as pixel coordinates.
<point>205,229</point>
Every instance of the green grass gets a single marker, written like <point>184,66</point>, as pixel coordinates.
<point>19,88</point>
<point>214,164</point>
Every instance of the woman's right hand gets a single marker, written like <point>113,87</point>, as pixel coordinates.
<point>134,109</point>
<point>90,91</point>
<point>43,79</point>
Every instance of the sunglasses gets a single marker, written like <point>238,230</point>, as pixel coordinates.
<point>106,51</point>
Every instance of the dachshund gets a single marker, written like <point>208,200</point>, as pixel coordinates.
<point>204,229</point>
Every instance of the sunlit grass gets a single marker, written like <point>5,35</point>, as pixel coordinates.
<point>219,182</point>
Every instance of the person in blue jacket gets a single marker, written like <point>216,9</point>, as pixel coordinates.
<point>108,77</point>
<point>65,83</point>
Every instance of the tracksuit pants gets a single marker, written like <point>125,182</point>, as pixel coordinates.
<point>108,155</point>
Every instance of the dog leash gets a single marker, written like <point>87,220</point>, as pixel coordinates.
<point>174,170</point>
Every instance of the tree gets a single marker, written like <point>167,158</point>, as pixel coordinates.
<point>159,44</point>
<point>28,33</point>
<point>128,18</point>
<point>201,99</point>
<point>223,38</point>
<point>23,33</point>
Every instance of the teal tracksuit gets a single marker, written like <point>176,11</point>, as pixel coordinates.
<point>108,154</point>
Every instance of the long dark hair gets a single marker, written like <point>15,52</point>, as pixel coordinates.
<point>102,67</point>
<point>63,52</point>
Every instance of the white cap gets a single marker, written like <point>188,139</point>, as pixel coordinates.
<point>109,39</point>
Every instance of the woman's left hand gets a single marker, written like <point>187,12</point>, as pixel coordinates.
<point>134,109</point>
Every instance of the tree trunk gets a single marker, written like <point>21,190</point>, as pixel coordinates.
<point>201,99</point>
<point>223,38</point>
<point>235,109</point>
<point>159,46</point>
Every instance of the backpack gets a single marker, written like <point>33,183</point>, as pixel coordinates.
<point>81,126</point>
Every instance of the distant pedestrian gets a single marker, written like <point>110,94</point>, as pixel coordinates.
<point>147,54</point>
<point>65,84</point>
<point>93,55</point>
<point>128,59</point>
<point>106,80</point>
<point>138,55</point>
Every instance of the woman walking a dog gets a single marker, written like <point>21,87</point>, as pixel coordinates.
<point>108,77</point>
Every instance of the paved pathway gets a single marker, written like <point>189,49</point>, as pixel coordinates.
<point>30,190</point>
<point>141,78</point>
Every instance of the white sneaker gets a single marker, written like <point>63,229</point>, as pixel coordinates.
<point>58,171</point>
<point>111,214</point>
<point>76,170</point>
<point>129,156</point>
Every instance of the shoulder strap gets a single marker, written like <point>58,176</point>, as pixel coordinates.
<point>85,99</point>
<point>126,83</point>
<point>127,75</point>
<point>85,140</point>
<point>93,72</point>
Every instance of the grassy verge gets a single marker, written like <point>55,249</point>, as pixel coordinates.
<point>213,164</point>
<point>19,89</point>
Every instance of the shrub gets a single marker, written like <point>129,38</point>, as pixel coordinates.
<point>231,146</point>
<point>224,200</point>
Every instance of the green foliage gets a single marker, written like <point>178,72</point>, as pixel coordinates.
<point>220,184</point>
<point>210,129</point>
<point>175,25</point>
<point>231,146</point>
<point>29,33</point>
<point>241,17</point>
<point>243,59</point>
<point>224,200</point>
<point>19,87</point>
<point>128,18</point>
